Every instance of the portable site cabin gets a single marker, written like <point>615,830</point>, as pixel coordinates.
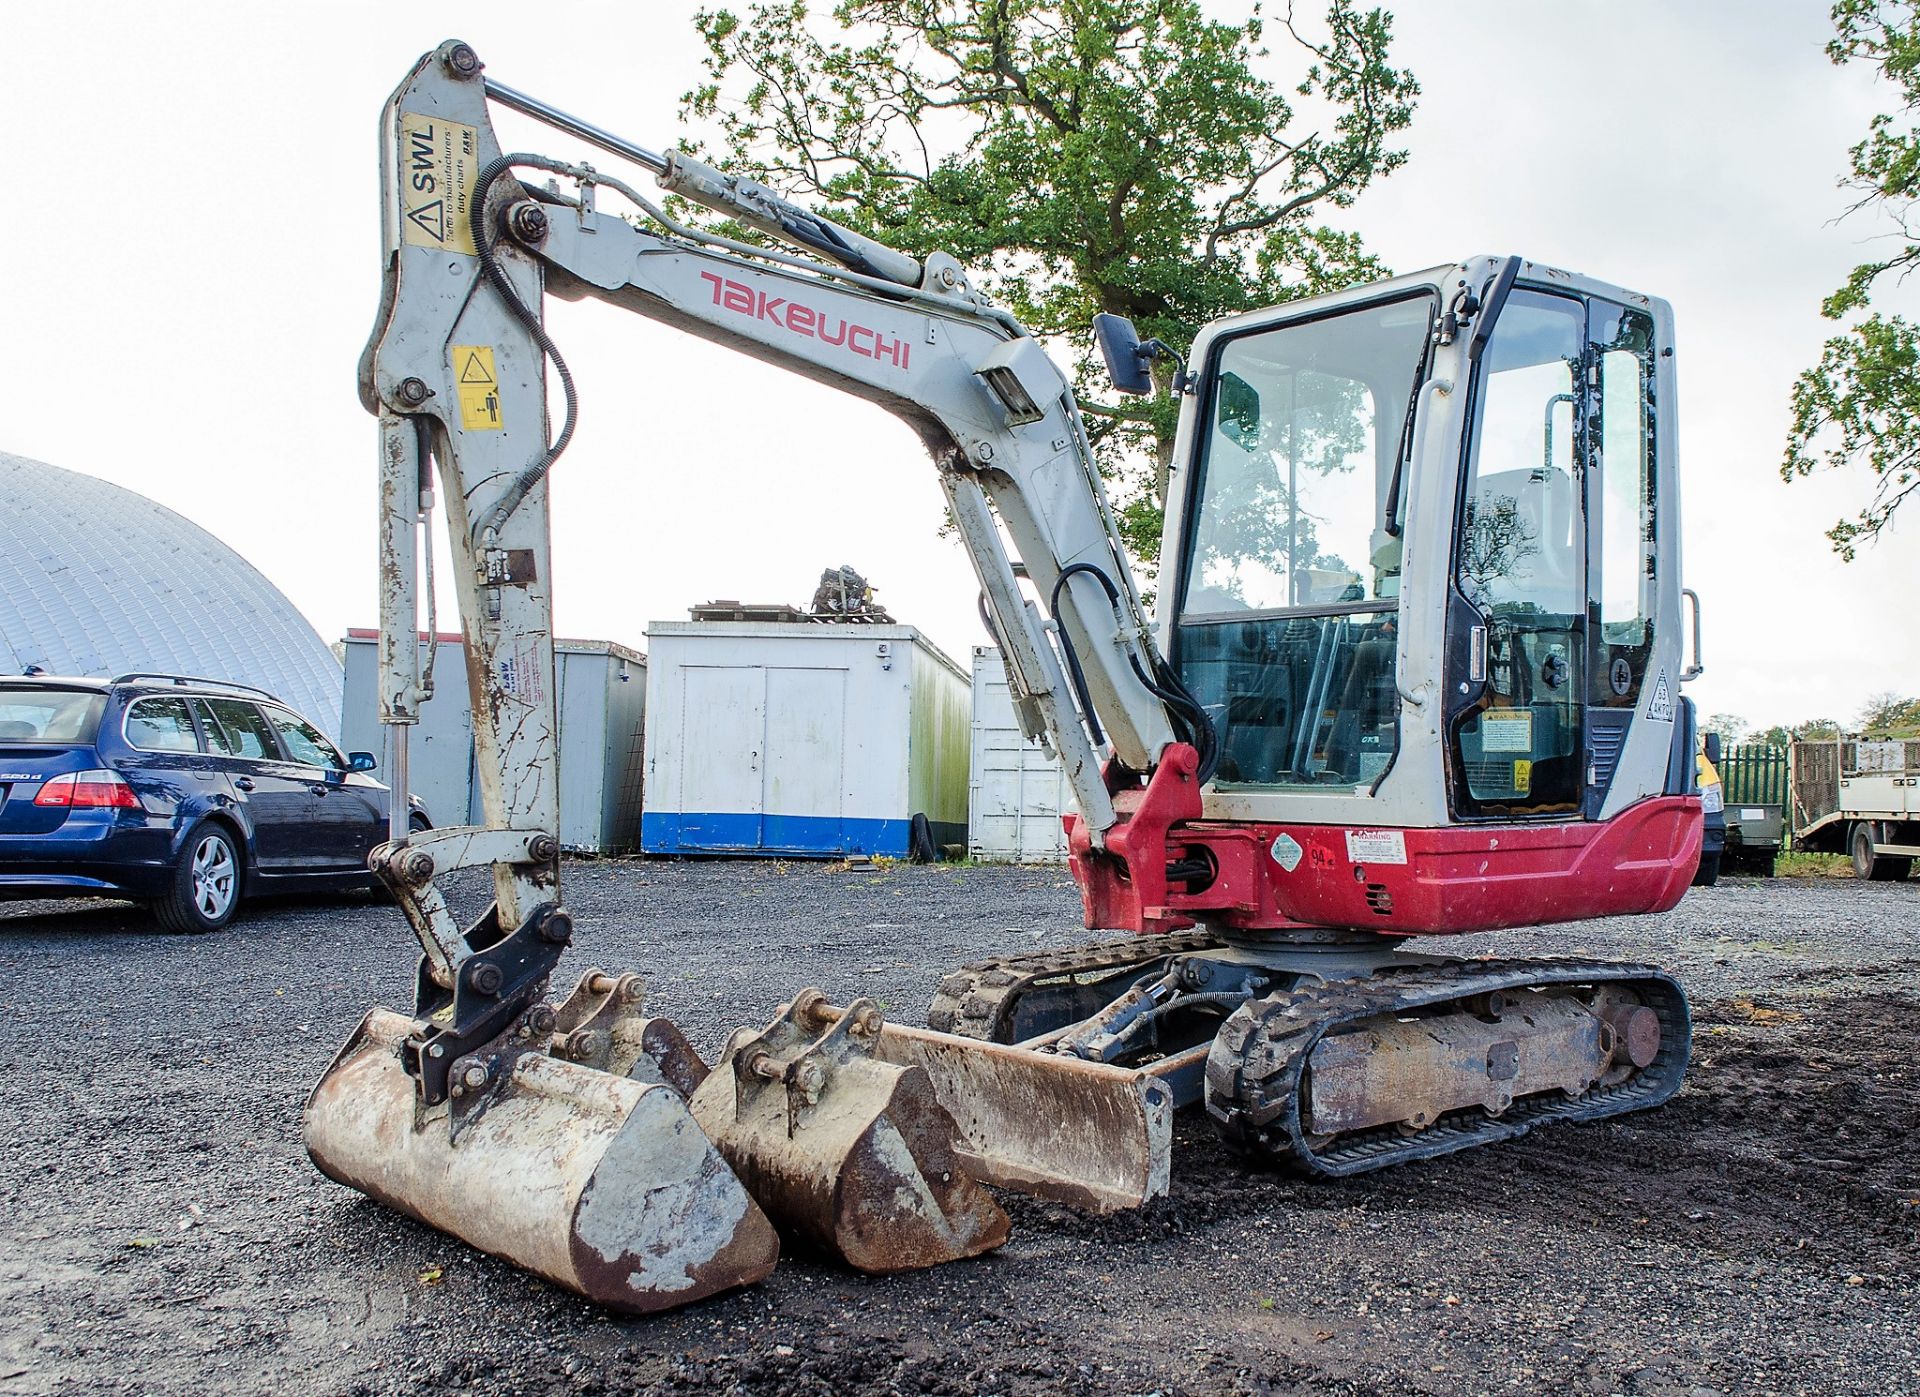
<point>1020,789</point>
<point>601,691</point>
<point>801,737</point>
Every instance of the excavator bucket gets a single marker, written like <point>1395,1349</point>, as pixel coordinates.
<point>600,1182</point>
<point>1089,1134</point>
<point>852,1153</point>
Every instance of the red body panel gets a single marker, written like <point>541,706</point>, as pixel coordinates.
<point>1413,882</point>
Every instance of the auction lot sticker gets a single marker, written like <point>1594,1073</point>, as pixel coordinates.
<point>1376,846</point>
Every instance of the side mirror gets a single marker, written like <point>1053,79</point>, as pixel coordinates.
<point>1120,347</point>
<point>362,761</point>
<point>1713,748</point>
<point>1239,411</point>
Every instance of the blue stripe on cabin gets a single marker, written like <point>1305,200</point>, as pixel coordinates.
<point>702,832</point>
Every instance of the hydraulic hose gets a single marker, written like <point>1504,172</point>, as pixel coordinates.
<point>1074,673</point>
<point>1189,716</point>
<point>534,473</point>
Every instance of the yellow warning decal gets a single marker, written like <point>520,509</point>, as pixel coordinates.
<point>1523,777</point>
<point>438,162</point>
<point>477,387</point>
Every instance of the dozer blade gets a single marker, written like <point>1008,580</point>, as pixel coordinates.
<point>599,1183</point>
<point>1086,1133</point>
<point>852,1153</point>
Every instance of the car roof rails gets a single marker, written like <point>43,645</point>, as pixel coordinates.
<point>183,680</point>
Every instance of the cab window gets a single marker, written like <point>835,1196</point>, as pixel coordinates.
<point>1520,560</point>
<point>1288,624</point>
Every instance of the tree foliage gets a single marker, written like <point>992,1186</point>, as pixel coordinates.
<point>1891,714</point>
<point>1077,156</point>
<point>1861,403</point>
<point>1731,726</point>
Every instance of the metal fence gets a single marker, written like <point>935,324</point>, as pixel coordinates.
<point>1754,773</point>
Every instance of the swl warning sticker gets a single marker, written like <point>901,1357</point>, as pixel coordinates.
<point>1506,730</point>
<point>438,161</point>
<point>1376,846</point>
<point>477,387</point>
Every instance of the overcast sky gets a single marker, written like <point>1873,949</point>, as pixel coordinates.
<point>191,263</point>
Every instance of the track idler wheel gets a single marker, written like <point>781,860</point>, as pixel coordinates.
<point>855,1155</point>
<point>602,1184</point>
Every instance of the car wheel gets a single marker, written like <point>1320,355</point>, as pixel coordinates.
<point>418,823</point>
<point>206,884</point>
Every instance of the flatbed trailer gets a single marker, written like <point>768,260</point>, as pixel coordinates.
<point>1859,797</point>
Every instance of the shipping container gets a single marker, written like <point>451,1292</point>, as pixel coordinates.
<point>815,739</point>
<point>1020,789</point>
<point>601,688</point>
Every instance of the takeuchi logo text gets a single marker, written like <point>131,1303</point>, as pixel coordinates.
<point>863,340</point>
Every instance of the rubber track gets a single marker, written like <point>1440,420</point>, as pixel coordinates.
<point>975,1001</point>
<point>1257,1064</point>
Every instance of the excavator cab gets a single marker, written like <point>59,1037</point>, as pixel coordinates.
<point>1422,566</point>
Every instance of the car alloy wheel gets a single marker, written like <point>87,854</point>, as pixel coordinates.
<point>216,877</point>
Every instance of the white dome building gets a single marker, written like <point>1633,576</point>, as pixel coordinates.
<point>96,580</point>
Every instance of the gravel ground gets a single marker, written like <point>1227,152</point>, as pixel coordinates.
<point>162,1231</point>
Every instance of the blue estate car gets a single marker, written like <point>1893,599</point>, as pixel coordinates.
<point>186,794</point>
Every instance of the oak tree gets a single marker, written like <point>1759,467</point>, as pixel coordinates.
<point>1860,405</point>
<point>1132,156</point>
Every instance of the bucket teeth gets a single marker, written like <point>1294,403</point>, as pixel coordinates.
<point>600,1026</point>
<point>854,1154</point>
<point>601,1183</point>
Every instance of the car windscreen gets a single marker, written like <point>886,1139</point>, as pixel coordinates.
<point>39,714</point>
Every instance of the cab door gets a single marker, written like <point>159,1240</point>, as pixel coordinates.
<point>1518,627</point>
<point>1623,541</point>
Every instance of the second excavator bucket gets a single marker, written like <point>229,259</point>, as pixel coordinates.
<point>1089,1134</point>
<point>852,1153</point>
<point>599,1182</point>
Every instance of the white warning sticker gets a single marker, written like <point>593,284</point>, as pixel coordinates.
<point>1506,730</point>
<point>1376,846</point>
<point>1660,700</point>
<point>1287,852</point>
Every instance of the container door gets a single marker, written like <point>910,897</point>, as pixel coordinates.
<point>722,756</point>
<point>804,775</point>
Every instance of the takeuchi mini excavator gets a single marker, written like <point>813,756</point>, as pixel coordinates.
<point>1414,672</point>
